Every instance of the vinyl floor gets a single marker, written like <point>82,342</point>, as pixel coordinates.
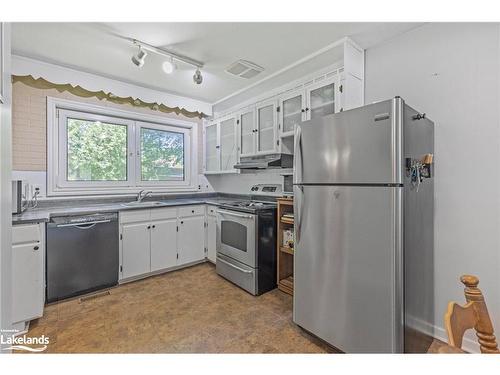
<point>192,310</point>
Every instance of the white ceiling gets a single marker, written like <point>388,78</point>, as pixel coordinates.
<point>102,48</point>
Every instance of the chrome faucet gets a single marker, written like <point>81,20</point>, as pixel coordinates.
<point>143,194</point>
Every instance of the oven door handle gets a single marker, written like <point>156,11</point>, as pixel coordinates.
<point>236,215</point>
<point>232,265</point>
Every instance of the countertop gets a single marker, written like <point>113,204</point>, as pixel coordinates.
<point>44,214</point>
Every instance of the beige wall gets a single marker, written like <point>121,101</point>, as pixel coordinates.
<point>29,125</point>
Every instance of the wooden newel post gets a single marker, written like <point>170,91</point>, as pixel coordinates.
<point>483,327</point>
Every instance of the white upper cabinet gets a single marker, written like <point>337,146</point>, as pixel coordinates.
<point>321,99</point>
<point>221,146</point>
<point>211,148</point>
<point>248,139</point>
<point>292,111</point>
<point>228,144</point>
<point>266,128</point>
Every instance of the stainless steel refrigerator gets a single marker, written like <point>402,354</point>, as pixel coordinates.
<point>363,206</point>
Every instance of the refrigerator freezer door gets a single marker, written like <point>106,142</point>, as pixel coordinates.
<point>347,266</point>
<point>360,146</point>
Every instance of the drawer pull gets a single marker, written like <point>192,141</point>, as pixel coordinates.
<point>36,248</point>
<point>232,265</point>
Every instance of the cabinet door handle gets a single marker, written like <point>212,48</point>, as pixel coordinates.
<point>192,211</point>
<point>149,226</point>
<point>182,222</point>
<point>36,248</point>
<point>154,226</point>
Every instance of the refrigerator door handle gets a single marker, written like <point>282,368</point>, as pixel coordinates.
<point>299,199</point>
<point>297,159</point>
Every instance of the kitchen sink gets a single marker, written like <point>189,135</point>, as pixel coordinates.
<point>143,204</point>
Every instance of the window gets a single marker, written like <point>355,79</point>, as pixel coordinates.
<point>96,150</point>
<point>162,155</point>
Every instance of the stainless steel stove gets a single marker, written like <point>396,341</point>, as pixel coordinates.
<point>246,242</point>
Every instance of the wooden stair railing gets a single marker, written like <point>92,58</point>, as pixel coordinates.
<point>474,315</point>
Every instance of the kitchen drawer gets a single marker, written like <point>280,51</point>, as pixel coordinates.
<point>238,273</point>
<point>163,213</point>
<point>135,216</point>
<point>26,233</point>
<point>191,211</point>
<point>211,210</point>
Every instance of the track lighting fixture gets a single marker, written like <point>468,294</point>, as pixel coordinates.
<point>138,59</point>
<point>197,77</point>
<point>168,66</point>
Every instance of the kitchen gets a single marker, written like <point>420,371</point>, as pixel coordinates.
<point>266,203</point>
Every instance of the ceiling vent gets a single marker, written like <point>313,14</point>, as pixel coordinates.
<point>244,69</point>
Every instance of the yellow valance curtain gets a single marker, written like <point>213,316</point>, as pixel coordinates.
<point>41,83</point>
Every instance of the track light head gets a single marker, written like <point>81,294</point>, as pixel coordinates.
<point>169,66</point>
<point>138,59</point>
<point>197,77</point>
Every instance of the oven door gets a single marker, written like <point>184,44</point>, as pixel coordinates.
<point>236,236</point>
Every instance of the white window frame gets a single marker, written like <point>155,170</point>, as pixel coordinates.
<point>58,110</point>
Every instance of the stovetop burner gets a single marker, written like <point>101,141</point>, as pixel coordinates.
<point>250,205</point>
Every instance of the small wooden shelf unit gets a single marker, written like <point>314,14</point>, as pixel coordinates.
<point>285,253</point>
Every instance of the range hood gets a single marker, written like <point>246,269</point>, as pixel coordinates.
<point>265,161</point>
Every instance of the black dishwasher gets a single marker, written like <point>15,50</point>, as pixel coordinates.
<point>82,254</point>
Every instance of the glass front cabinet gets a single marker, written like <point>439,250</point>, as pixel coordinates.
<point>292,112</point>
<point>211,148</point>
<point>265,124</point>
<point>267,142</point>
<point>267,127</point>
<point>313,101</point>
<point>258,129</point>
<point>221,145</point>
<point>228,144</point>
<point>321,99</point>
<point>248,138</point>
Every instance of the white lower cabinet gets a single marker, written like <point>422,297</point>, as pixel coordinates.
<point>211,236</point>
<point>163,244</point>
<point>191,239</point>
<point>136,240</point>
<point>158,239</point>
<point>28,266</point>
